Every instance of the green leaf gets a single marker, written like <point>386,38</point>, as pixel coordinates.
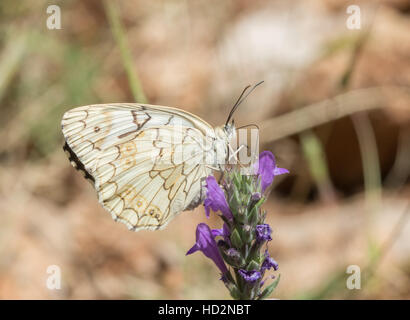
<point>269,289</point>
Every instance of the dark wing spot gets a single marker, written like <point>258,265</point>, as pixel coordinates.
<point>135,121</point>
<point>169,120</point>
<point>76,163</point>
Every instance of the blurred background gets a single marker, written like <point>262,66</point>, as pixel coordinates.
<point>334,109</point>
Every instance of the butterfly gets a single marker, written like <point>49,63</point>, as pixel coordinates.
<point>147,163</point>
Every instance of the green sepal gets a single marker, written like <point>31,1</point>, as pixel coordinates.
<point>269,289</point>
<point>260,202</point>
<point>235,293</point>
<point>235,201</point>
<point>231,286</point>
<point>253,265</point>
<point>236,239</point>
<point>241,217</point>
<point>247,233</point>
<point>237,180</point>
<point>236,262</point>
<point>253,217</point>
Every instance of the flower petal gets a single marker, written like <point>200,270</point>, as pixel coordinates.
<point>263,232</point>
<point>278,171</point>
<point>250,276</point>
<point>193,249</point>
<point>215,199</point>
<point>269,263</point>
<point>205,242</point>
<point>267,169</point>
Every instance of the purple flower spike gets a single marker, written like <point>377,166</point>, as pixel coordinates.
<point>250,276</point>
<point>215,199</point>
<point>269,263</point>
<point>267,169</point>
<point>263,232</point>
<point>205,242</point>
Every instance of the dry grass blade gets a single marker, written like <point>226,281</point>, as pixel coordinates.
<point>120,37</point>
<point>326,111</point>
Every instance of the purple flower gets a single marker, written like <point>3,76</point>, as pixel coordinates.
<point>205,242</point>
<point>269,263</point>
<point>256,196</point>
<point>267,169</point>
<point>215,199</point>
<point>250,276</point>
<point>263,232</point>
<point>223,232</point>
<point>233,253</point>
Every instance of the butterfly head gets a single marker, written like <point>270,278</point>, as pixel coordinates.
<point>229,130</point>
<point>226,132</point>
<point>225,135</point>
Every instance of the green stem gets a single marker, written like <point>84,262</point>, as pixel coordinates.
<point>316,158</point>
<point>371,172</point>
<point>119,35</point>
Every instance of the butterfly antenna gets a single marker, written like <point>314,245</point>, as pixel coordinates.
<point>241,98</point>
<point>236,104</point>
